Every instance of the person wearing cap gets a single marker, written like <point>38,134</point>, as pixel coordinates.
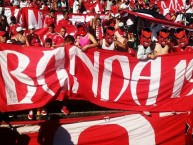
<point>32,38</point>
<point>131,31</point>
<point>19,38</point>
<point>171,16</point>
<point>120,34</point>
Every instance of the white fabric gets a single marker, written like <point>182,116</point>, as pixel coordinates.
<point>75,6</point>
<point>18,29</point>
<point>111,47</point>
<point>108,7</point>
<point>142,52</point>
<point>23,4</point>
<point>15,2</point>
<point>124,6</point>
<point>129,22</point>
<point>179,18</point>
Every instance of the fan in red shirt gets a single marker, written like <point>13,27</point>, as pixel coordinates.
<point>13,25</point>
<point>50,18</point>
<point>65,21</point>
<point>51,34</point>
<point>58,40</point>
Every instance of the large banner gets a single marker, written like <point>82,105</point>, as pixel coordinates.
<point>117,129</point>
<point>31,77</point>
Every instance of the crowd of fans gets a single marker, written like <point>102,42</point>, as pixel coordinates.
<point>118,31</point>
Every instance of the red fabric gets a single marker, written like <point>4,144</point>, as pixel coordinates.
<point>169,75</point>
<point>58,39</point>
<point>70,29</point>
<point>71,3</point>
<point>132,52</point>
<point>170,5</point>
<point>2,33</point>
<point>41,32</point>
<point>114,9</point>
<point>127,128</point>
<point>31,16</point>
<point>92,6</point>
<point>189,131</point>
<point>187,49</point>
<point>49,35</point>
<point>99,33</point>
<point>13,28</point>
<point>49,20</point>
<point>33,5</point>
<point>64,23</point>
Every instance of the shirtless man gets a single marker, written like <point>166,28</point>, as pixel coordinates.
<point>163,45</point>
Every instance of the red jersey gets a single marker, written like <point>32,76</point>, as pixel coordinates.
<point>64,22</point>
<point>99,32</point>
<point>188,48</point>
<point>50,35</point>
<point>49,20</point>
<point>58,39</point>
<point>114,9</point>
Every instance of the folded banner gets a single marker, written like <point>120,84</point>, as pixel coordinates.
<point>31,77</point>
<point>116,129</point>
